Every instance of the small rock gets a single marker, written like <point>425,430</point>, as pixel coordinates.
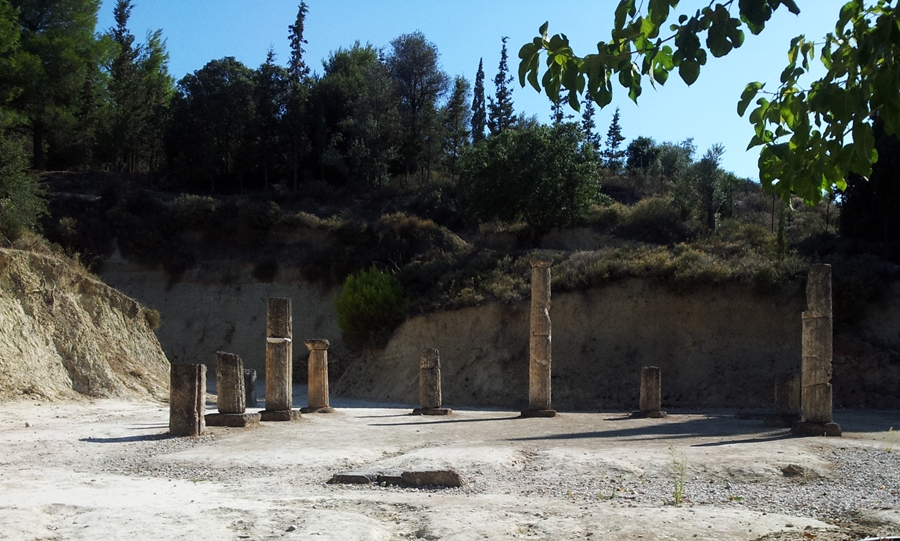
<point>290,528</point>
<point>791,470</point>
<point>27,425</point>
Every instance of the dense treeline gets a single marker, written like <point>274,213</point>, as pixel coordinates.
<point>75,98</point>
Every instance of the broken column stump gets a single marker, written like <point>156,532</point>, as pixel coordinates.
<point>540,358</point>
<point>430,384</point>
<point>787,402</point>
<point>187,399</point>
<point>279,390</point>
<point>651,394</point>
<point>816,392</point>
<point>230,394</point>
<point>317,385</point>
<point>250,388</point>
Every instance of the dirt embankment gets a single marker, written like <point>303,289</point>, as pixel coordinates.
<point>65,334</point>
<point>719,346</point>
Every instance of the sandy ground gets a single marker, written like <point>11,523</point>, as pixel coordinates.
<point>107,470</point>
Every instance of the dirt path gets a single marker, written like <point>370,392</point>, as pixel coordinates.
<point>106,470</point>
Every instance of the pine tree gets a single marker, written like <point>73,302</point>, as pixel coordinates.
<point>125,99</point>
<point>298,93</point>
<point>613,153</point>
<point>455,120</point>
<point>500,110</point>
<point>588,125</point>
<point>297,68</point>
<point>269,94</point>
<point>558,113</point>
<point>479,116</point>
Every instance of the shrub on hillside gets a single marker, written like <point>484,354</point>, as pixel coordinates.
<point>656,220</point>
<point>370,306</point>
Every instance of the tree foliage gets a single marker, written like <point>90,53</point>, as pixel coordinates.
<point>413,64</point>
<point>812,136</point>
<point>500,107</point>
<point>479,113</point>
<point>213,114</point>
<point>544,175</point>
<point>54,59</point>
<point>613,155</point>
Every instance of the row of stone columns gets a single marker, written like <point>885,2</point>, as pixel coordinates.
<point>236,387</point>
<point>812,391</point>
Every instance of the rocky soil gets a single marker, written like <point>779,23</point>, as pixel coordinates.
<point>106,469</point>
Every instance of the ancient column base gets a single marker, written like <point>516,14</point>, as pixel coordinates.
<point>239,420</point>
<point>432,411</point>
<point>648,414</point>
<point>781,421</point>
<point>806,428</point>
<point>279,415</point>
<point>539,413</point>
<point>319,409</point>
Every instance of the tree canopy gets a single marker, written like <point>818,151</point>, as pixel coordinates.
<point>812,136</point>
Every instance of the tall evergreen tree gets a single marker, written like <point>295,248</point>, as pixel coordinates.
<point>158,87</point>
<point>613,155</point>
<point>479,114</point>
<point>558,114</point>
<point>500,110</point>
<point>294,123</point>
<point>455,119</point>
<point>125,99</point>
<point>57,49</point>
<point>588,125</point>
<point>212,124</point>
<point>413,64</point>
<point>270,99</point>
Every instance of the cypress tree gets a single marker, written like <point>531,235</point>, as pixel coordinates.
<point>613,153</point>
<point>588,125</point>
<point>295,114</point>
<point>500,110</point>
<point>479,115</point>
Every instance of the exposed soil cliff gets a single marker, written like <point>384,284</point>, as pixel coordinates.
<point>721,346</point>
<point>716,347</point>
<point>65,334</point>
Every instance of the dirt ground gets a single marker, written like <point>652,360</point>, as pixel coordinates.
<point>106,469</point>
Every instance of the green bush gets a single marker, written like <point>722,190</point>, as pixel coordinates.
<point>656,220</point>
<point>370,306</point>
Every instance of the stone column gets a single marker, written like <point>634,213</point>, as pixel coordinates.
<point>279,390</point>
<point>317,385</point>
<point>815,395</point>
<point>430,384</point>
<point>787,401</point>
<point>187,399</point>
<point>250,388</point>
<point>230,393</point>
<point>539,404</point>
<point>651,393</point>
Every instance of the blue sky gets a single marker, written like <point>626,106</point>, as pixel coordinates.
<point>464,31</point>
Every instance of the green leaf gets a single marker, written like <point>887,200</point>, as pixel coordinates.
<point>623,10</point>
<point>689,70</point>
<point>747,96</point>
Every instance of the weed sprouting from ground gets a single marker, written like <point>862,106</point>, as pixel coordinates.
<point>678,468</point>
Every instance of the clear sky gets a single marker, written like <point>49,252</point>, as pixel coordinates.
<point>464,31</point>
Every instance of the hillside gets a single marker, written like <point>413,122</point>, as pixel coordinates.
<point>65,334</point>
